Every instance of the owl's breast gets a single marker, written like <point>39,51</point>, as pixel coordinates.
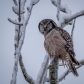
<point>54,43</point>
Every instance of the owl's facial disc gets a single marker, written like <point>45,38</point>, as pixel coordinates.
<point>46,26</point>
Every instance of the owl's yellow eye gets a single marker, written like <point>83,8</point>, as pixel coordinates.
<point>42,25</point>
<point>48,24</point>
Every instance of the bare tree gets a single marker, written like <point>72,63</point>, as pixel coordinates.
<point>20,28</point>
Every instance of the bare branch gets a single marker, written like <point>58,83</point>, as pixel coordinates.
<point>42,70</point>
<point>73,29</point>
<point>26,76</point>
<point>14,22</point>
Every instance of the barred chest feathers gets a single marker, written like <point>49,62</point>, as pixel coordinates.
<point>54,43</point>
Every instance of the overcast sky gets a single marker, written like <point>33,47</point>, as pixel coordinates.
<point>33,51</point>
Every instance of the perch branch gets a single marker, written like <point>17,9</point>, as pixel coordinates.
<point>53,71</point>
<point>26,76</point>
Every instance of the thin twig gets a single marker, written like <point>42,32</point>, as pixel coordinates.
<point>66,73</point>
<point>73,29</point>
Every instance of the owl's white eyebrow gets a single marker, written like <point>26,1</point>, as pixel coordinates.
<point>48,22</point>
<point>41,23</point>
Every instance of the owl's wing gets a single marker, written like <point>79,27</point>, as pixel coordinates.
<point>69,45</point>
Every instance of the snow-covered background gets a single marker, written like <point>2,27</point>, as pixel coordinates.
<point>33,51</point>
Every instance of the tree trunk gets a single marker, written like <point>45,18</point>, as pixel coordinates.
<point>53,71</point>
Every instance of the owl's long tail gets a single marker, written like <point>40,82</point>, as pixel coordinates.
<point>72,54</point>
<point>74,60</point>
<point>72,68</point>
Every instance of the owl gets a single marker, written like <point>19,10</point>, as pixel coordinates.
<point>58,42</point>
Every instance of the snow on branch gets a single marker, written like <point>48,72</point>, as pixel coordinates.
<point>15,2</point>
<point>33,2</point>
<point>23,3</point>
<point>65,9</point>
<point>44,77</point>
<point>58,9</point>
<point>42,71</point>
<point>14,22</point>
<point>22,31</point>
<point>74,16</point>
<point>16,10</point>
<point>67,18</point>
<point>26,76</point>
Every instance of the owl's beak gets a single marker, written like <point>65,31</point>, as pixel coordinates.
<point>44,26</point>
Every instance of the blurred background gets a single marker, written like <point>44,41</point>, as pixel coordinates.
<point>33,51</point>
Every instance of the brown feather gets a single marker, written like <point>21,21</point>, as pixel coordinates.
<point>55,44</point>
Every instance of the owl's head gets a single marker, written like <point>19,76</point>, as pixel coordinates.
<point>46,25</point>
